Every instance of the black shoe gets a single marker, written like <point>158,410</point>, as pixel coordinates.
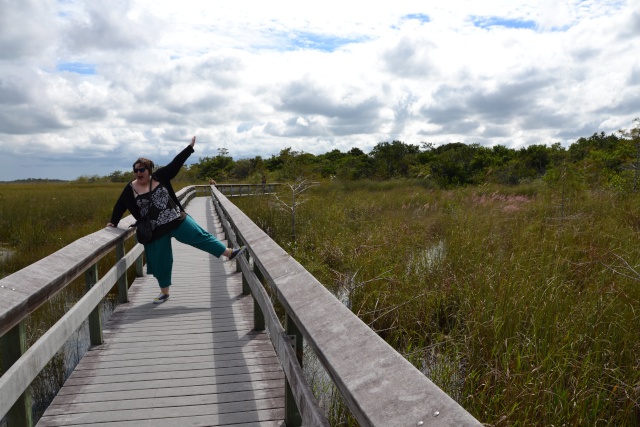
<point>237,252</point>
<point>161,298</point>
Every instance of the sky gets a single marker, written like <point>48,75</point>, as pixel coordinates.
<point>87,87</point>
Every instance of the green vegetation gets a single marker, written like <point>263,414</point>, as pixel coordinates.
<point>521,302</point>
<point>38,219</point>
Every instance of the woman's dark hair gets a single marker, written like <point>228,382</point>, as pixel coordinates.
<point>146,162</point>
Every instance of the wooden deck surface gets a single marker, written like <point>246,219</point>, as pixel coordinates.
<point>191,361</point>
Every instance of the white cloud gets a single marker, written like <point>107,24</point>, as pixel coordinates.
<point>87,86</point>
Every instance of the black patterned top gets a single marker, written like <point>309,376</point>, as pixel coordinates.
<point>165,214</point>
<point>164,211</point>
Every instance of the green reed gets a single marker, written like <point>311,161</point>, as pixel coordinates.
<point>38,219</point>
<point>521,304</point>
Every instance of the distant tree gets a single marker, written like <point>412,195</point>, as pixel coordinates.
<point>241,169</point>
<point>490,163</point>
<point>120,176</point>
<point>218,167</point>
<point>451,164</point>
<point>328,163</point>
<point>393,159</point>
<point>292,165</point>
<point>355,166</point>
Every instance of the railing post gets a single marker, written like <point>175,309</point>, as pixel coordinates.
<point>292,331</point>
<point>123,289</point>
<point>14,345</point>
<point>139,261</point>
<point>227,235</point>
<point>246,289</point>
<point>258,315</point>
<point>95,318</point>
<point>292,416</point>
<point>140,265</point>
<point>237,243</point>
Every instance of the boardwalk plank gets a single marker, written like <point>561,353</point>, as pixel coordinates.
<point>169,401</point>
<point>175,383</point>
<point>259,418</point>
<point>152,412</point>
<point>193,360</point>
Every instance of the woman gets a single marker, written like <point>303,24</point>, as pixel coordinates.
<point>168,218</point>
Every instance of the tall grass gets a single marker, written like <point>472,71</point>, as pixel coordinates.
<point>38,219</point>
<point>524,312</point>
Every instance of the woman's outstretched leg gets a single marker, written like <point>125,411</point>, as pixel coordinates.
<point>190,233</point>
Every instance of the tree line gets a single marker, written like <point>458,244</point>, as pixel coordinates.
<point>599,160</point>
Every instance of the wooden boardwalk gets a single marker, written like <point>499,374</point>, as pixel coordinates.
<point>191,361</point>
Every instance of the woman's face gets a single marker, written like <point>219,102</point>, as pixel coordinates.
<point>141,172</point>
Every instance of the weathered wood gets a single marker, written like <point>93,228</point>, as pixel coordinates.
<point>254,418</point>
<point>291,411</point>
<point>17,378</point>
<point>123,288</point>
<point>306,405</point>
<point>380,387</point>
<point>36,283</point>
<point>139,263</point>
<point>14,345</point>
<point>179,414</point>
<point>240,190</point>
<point>95,318</point>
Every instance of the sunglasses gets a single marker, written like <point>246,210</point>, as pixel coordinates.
<point>141,170</point>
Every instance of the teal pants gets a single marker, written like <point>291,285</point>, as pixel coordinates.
<point>159,252</point>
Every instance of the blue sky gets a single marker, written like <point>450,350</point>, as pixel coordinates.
<point>88,86</point>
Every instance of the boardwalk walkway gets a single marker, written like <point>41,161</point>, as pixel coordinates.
<point>192,361</point>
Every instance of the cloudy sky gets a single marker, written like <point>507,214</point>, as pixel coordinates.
<point>88,86</point>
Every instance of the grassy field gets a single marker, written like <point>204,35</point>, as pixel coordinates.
<point>38,219</point>
<point>520,303</point>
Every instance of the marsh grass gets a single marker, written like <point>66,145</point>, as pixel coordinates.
<point>521,303</point>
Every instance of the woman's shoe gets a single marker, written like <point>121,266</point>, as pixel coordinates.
<point>161,298</point>
<point>237,252</point>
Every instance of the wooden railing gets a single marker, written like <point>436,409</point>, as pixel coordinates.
<point>236,190</point>
<point>379,386</point>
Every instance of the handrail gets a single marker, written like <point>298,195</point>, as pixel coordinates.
<point>235,190</point>
<point>380,387</point>
<point>301,406</point>
<point>24,291</point>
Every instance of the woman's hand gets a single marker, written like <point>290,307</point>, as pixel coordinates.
<point>110,225</point>
<point>193,141</point>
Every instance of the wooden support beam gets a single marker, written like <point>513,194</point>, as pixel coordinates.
<point>95,318</point>
<point>14,345</point>
<point>123,288</point>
